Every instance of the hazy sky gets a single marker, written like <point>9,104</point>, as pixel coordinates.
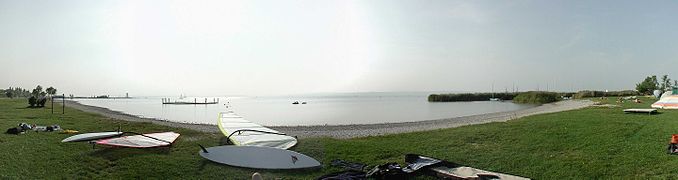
<point>290,47</point>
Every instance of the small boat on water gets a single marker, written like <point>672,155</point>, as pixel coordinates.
<point>295,102</point>
<point>495,99</point>
<point>303,102</point>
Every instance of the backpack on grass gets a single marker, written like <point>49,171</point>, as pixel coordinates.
<point>14,130</point>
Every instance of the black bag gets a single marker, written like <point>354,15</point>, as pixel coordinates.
<point>348,165</point>
<point>672,149</point>
<point>15,130</point>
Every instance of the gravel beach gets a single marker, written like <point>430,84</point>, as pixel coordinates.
<point>352,131</point>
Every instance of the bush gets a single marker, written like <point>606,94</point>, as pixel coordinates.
<point>32,101</point>
<point>536,97</point>
<point>41,102</point>
<point>648,85</point>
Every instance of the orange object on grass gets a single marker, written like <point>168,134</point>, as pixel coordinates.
<point>674,139</point>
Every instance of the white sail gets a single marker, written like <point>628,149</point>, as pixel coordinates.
<point>245,133</point>
<point>142,141</point>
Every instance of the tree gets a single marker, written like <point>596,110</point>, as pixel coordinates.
<point>19,92</point>
<point>9,93</point>
<point>656,83</point>
<point>51,91</point>
<point>37,97</point>
<point>648,85</point>
<point>37,91</point>
<point>666,83</point>
<point>33,101</point>
<point>41,102</point>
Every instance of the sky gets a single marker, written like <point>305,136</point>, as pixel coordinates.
<point>277,47</point>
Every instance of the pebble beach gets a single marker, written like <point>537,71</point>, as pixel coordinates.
<point>359,130</point>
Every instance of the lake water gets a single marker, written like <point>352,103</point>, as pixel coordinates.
<point>334,109</point>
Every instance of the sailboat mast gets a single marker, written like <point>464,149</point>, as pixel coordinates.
<point>492,89</point>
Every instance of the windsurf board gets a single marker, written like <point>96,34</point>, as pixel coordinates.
<point>91,136</point>
<point>259,157</point>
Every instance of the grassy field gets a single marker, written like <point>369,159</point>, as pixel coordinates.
<point>581,144</point>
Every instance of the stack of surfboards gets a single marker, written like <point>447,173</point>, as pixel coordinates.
<point>135,141</point>
<point>255,146</point>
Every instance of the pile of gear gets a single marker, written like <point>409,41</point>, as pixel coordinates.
<point>416,165</point>
<point>24,127</point>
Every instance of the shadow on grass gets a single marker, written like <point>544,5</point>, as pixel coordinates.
<point>204,163</point>
<point>645,114</point>
<point>115,153</point>
<point>33,107</point>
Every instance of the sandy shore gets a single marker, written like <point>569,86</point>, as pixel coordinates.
<point>351,131</point>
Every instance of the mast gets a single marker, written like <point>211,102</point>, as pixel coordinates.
<point>492,89</point>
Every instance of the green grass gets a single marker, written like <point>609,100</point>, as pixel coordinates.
<point>581,144</point>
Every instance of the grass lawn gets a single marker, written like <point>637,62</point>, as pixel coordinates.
<point>587,143</point>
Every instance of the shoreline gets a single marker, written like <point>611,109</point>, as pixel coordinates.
<point>358,130</point>
<point>132,118</point>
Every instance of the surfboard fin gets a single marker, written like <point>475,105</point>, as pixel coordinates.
<point>203,149</point>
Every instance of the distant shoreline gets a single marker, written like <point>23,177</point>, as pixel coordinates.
<point>358,130</point>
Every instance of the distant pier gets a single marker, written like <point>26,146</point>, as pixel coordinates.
<point>195,101</point>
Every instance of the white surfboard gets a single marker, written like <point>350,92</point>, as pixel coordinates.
<point>472,173</point>
<point>91,136</point>
<point>259,157</point>
<point>251,134</point>
<point>142,141</point>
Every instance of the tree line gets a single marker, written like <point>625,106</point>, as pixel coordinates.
<point>13,92</point>
<point>651,83</point>
<point>36,97</point>
<point>469,97</point>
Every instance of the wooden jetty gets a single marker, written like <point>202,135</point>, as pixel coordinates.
<point>195,101</point>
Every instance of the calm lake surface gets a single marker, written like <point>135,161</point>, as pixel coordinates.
<point>333,109</point>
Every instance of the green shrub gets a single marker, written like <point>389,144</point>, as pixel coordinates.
<point>536,97</point>
<point>41,102</point>
<point>32,101</point>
